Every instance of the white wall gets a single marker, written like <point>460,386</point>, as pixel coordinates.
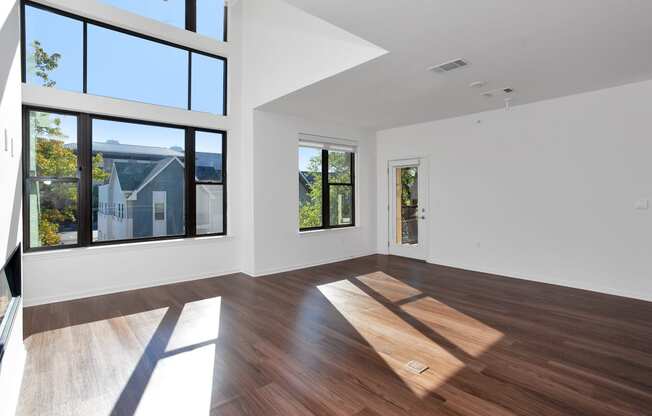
<point>545,191</point>
<point>278,244</point>
<point>287,49</point>
<point>10,188</point>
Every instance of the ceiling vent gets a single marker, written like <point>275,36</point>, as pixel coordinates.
<point>449,66</point>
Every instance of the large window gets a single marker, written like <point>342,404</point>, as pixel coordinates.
<point>206,17</point>
<point>92,180</point>
<point>73,53</point>
<point>326,186</point>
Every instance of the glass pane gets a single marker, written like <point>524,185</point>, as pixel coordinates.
<point>208,156</point>
<point>54,50</point>
<point>310,187</point>
<point>207,84</point>
<point>138,180</point>
<point>210,18</point>
<point>341,205</point>
<point>339,167</point>
<point>52,213</point>
<point>52,145</point>
<point>407,205</point>
<point>5,294</point>
<point>172,12</point>
<point>132,68</point>
<point>210,209</point>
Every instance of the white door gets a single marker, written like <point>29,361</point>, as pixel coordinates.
<point>159,213</point>
<point>408,199</point>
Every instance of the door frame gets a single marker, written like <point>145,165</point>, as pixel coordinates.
<point>420,250</point>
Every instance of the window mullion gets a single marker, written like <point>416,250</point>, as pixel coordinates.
<point>85,59</point>
<point>85,169</point>
<point>325,193</point>
<point>191,191</point>
<point>191,15</point>
<point>353,196</point>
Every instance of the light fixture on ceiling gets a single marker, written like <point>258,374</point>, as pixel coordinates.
<point>498,92</point>
<point>477,84</point>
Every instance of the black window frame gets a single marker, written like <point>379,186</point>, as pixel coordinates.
<point>86,21</point>
<point>84,190</point>
<point>325,194</point>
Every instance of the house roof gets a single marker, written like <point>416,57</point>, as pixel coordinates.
<point>132,174</point>
<point>113,147</point>
<point>158,168</point>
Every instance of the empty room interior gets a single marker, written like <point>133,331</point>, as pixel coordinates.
<point>325,207</point>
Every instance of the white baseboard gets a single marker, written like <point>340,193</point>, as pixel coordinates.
<point>551,281</point>
<point>32,301</point>
<point>266,272</point>
<point>27,301</point>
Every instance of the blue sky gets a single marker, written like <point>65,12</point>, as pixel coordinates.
<point>131,68</point>
<point>138,134</point>
<point>305,154</point>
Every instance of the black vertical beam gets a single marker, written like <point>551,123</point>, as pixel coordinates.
<point>191,15</point>
<point>191,192</point>
<point>85,183</point>
<point>352,188</point>
<point>224,169</point>
<point>23,47</point>
<point>325,191</point>
<point>26,182</point>
<point>85,59</point>
<point>226,22</point>
<point>224,87</point>
<point>189,80</point>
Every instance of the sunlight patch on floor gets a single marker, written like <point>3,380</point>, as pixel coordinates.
<point>181,384</point>
<point>199,322</point>
<point>390,288</point>
<point>397,341</point>
<point>110,371</point>
<point>468,334</point>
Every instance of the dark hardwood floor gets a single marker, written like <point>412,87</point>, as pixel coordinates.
<point>335,339</point>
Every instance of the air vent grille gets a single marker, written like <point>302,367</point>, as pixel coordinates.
<point>449,66</point>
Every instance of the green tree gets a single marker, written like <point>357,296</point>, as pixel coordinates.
<point>42,63</point>
<point>310,210</point>
<point>53,159</point>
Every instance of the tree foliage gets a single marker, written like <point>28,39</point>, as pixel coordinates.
<point>58,200</point>
<point>44,63</point>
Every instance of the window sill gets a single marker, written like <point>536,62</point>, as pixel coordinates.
<point>123,247</point>
<point>308,233</point>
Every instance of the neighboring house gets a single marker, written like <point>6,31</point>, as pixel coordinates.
<point>142,199</point>
<point>143,196</point>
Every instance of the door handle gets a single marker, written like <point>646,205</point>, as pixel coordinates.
<point>423,217</point>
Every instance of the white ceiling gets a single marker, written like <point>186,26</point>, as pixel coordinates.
<point>541,48</point>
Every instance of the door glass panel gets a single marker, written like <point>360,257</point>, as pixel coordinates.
<point>407,205</point>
